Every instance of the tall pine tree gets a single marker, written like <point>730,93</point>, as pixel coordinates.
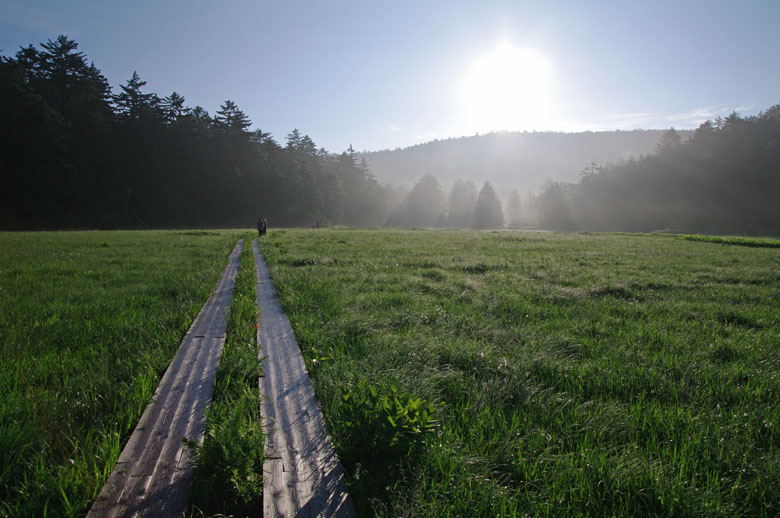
<point>487,212</point>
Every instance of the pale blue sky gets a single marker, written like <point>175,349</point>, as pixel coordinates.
<point>383,74</point>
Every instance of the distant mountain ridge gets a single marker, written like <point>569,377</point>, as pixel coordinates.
<point>511,160</point>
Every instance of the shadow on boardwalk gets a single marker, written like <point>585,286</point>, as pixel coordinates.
<point>153,476</point>
<point>303,475</point>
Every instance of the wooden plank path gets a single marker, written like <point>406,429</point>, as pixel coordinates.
<point>153,476</point>
<point>302,474</point>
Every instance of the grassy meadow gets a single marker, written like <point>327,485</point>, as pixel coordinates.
<point>542,374</point>
<point>461,373</point>
<point>88,324</point>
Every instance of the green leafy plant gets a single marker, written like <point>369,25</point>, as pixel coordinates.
<point>385,421</point>
<point>382,433</point>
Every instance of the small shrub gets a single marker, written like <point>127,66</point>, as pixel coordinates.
<point>382,435</point>
<point>383,422</point>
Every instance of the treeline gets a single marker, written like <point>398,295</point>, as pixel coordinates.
<point>725,179</point>
<point>511,160</point>
<point>426,206</point>
<point>75,154</point>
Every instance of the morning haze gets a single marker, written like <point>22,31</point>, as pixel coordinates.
<point>526,253</point>
<point>290,109</point>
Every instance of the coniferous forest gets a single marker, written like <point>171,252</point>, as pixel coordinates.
<point>725,179</point>
<point>77,154</point>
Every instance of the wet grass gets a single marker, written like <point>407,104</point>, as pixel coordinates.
<point>88,324</point>
<point>570,374</point>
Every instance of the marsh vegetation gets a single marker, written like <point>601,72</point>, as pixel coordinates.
<point>460,373</point>
<point>570,374</point>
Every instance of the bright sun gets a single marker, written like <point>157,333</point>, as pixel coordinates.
<point>509,88</point>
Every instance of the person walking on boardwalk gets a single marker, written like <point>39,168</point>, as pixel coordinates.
<point>259,227</point>
<point>263,227</point>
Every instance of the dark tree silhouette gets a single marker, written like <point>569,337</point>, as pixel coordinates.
<point>74,156</point>
<point>173,107</point>
<point>132,103</point>
<point>231,119</point>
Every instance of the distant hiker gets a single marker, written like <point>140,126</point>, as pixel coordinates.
<point>263,227</point>
<point>317,224</point>
<point>259,227</point>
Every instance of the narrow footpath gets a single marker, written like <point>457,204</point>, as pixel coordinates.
<point>302,474</point>
<point>153,476</point>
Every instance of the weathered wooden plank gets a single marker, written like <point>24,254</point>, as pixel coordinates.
<point>152,414</point>
<point>302,474</point>
<point>153,476</point>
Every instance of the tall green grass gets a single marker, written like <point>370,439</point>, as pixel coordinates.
<point>228,478</point>
<point>570,374</point>
<point>88,324</point>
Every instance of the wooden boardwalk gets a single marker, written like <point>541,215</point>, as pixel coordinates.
<point>302,475</point>
<point>153,476</point>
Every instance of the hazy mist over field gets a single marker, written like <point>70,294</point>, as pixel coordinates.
<point>566,116</point>
<point>511,160</point>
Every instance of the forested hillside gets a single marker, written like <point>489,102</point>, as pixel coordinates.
<point>74,154</point>
<point>725,179</point>
<point>511,160</point>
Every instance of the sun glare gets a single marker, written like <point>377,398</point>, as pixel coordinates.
<point>509,88</point>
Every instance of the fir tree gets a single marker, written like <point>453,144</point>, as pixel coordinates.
<point>230,119</point>
<point>487,212</point>
<point>132,103</point>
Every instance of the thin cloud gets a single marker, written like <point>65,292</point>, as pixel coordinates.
<point>704,111</point>
<point>393,128</point>
<point>647,120</point>
<point>696,116</point>
<point>425,136</point>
